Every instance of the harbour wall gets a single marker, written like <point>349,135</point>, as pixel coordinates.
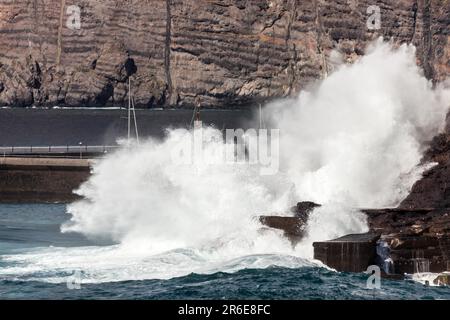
<point>41,179</point>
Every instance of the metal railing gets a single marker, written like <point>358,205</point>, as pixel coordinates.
<point>56,151</point>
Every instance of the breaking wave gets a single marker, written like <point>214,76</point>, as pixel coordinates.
<point>355,139</point>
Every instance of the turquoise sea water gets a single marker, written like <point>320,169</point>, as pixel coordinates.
<point>30,238</point>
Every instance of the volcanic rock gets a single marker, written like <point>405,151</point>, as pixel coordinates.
<point>418,239</point>
<point>219,53</point>
<point>292,227</point>
<point>433,190</point>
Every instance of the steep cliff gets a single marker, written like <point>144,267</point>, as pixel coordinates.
<point>217,53</point>
<point>433,190</point>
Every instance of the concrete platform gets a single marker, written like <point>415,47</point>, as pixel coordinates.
<point>351,253</point>
<point>24,162</point>
<point>41,179</point>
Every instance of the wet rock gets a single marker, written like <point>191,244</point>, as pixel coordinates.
<point>418,239</point>
<point>304,208</point>
<point>407,222</point>
<point>433,190</point>
<point>292,227</point>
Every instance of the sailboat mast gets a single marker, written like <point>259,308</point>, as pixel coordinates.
<point>129,108</point>
<point>135,120</point>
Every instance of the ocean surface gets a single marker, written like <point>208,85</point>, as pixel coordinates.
<point>35,263</point>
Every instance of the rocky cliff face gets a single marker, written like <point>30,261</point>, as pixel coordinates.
<point>433,190</point>
<point>179,53</point>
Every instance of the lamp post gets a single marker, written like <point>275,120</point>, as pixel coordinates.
<point>81,152</point>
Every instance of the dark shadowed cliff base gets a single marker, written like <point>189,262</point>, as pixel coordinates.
<point>433,190</point>
<point>179,53</point>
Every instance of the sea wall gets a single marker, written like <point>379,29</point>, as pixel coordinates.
<point>41,179</point>
<point>218,53</point>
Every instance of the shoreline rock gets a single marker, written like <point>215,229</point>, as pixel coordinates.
<point>418,240</point>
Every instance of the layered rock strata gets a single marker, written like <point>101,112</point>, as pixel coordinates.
<point>215,53</point>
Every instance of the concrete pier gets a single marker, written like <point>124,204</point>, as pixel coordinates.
<point>41,179</point>
<point>351,253</point>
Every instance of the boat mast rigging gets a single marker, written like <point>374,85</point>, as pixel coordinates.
<point>131,109</point>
